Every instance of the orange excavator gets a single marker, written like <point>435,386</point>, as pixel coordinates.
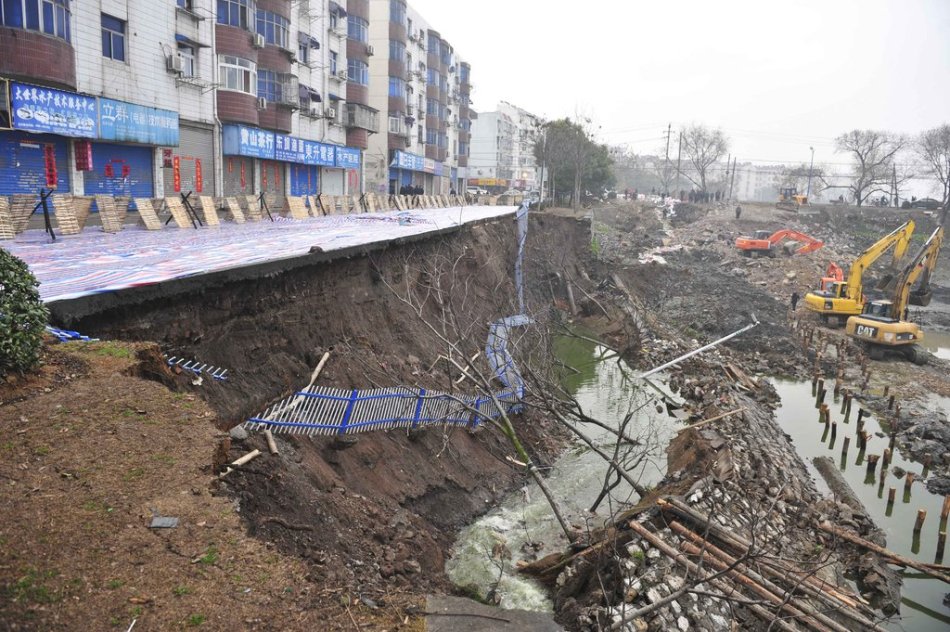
<point>833,274</point>
<point>765,244</point>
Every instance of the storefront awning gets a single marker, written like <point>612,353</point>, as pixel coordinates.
<point>184,39</point>
<point>304,39</point>
<point>307,94</point>
<point>333,97</point>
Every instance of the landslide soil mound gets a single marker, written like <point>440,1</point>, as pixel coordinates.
<point>330,521</point>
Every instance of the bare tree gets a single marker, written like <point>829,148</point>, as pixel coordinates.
<point>703,147</point>
<point>933,147</point>
<point>873,153</point>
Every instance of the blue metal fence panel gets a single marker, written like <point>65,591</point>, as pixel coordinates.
<point>304,180</point>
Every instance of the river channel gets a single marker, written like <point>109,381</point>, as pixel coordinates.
<point>606,390</point>
<point>922,608</point>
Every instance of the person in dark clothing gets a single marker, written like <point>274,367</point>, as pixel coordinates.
<point>738,211</point>
<point>795,298</point>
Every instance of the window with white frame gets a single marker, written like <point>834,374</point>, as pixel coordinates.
<point>334,59</point>
<point>188,66</point>
<point>113,38</point>
<point>397,50</point>
<point>397,123</point>
<point>333,20</point>
<point>397,87</point>
<point>239,13</point>
<point>238,74</point>
<point>357,29</point>
<point>44,16</point>
<point>275,29</point>
<point>303,52</point>
<point>357,71</point>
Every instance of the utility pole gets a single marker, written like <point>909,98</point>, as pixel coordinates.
<point>679,157</point>
<point>669,131</point>
<point>894,185</point>
<point>808,190</point>
<point>728,164</point>
<point>733,182</point>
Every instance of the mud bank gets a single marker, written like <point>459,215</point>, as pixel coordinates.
<point>378,510</point>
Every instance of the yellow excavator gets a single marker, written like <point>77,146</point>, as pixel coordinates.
<point>884,326</point>
<point>790,200</point>
<point>846,298</point>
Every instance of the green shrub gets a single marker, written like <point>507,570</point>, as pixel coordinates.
<point>22,316</point>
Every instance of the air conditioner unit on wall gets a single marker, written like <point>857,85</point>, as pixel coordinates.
<point>341,75</point>
<point>173,63</point>
<point>331,113</point>
<point>261,103</point>
<point>314,109</point>
<point>370,51</point>
<point>258,41</point>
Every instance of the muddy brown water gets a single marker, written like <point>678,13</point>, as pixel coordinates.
<point>922,608</point>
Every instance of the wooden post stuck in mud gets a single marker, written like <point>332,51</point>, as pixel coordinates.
<point>844,446</point>
<point>919,523</point>
<point>941,544</point>
<point>872,463</point>
<point>890,403</point>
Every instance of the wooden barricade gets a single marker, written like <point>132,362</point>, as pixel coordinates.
<point>122,207</point>
<point>6,221</point>
<point>209,212</point>
<point>178,211</point>
<point>108,214</point>
<point>298,209</point>
<point>314,206</point>
<point>65,214</point>
<point>147,214</point>
<point>235,212</point>
<point>253,208</point>
<point>20,211</point>
<point>83,206</point>
<point>324,204</point>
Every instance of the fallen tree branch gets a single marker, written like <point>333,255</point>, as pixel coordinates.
<point>880,550</point>
<point>287,525</point>
<point>716,418</point>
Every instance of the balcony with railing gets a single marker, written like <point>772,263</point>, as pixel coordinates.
<point>362,117</point>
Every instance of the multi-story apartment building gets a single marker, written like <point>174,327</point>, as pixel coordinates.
<point>503,149</point>
<point>421,89</point>
<point>147,98</point>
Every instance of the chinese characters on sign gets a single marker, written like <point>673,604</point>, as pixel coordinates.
<point>347,158</point>
<point>306,152</point>
<point>51,111</point>
<point>412,162</point>
<point>129,122</point>
<point>255,143</point>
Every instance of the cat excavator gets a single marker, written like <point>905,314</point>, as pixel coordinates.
<point>883,326</point>
<point>764,243</point>
<point>846,298</point>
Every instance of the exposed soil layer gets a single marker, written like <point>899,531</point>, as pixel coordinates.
<point>370,516</point>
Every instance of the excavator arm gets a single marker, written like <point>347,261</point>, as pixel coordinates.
<point>920,268</point>
<point>810,244</point>
<point>834,272</point>
<point>899,239</point>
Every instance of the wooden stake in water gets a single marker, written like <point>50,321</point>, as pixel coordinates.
<point>919,523</point>
<point>944,512</point>
<point>890,401</point>
<point>872,464</point>
<point>891,494</point>
<point>941,543</point>
<point>885,459</point>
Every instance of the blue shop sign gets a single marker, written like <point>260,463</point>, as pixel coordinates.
<point>306,152</point>
<point>240,140</point>
<point>347,158</point>
<point>133,123</point>
<point>50,111</point>
<point>404,160</point>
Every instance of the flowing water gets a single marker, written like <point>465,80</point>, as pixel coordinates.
<point>604,389</point>
<point>922,609</point>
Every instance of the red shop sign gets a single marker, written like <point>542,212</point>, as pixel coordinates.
<point>199,181</point>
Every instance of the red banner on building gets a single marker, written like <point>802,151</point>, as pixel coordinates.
<point>243,177</point>
<point>176,171</point>
<point>49,157</point>
<point>199,182</point>
<point>166,158</point>
<point>83,149</point>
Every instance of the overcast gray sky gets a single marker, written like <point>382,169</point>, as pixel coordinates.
<point>777,77</point>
